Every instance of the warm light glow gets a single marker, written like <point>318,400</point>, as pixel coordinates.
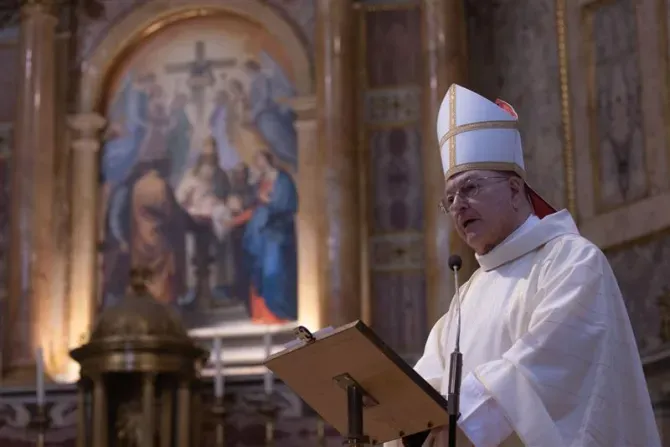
<point>79,311</point>
<point>80,305</point>
<point>309,289</point>
<point>52,338</point>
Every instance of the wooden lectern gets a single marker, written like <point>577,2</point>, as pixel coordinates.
<point>359,385</point>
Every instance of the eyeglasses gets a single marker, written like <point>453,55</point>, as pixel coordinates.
<point>468,190</point>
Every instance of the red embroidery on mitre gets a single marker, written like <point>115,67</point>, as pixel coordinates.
<point>506,107</point>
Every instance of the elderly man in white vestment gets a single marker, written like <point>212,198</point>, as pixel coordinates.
<point>549,357</point>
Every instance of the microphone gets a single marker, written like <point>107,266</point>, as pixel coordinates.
<point>456,361</point>
<point>455,367</point>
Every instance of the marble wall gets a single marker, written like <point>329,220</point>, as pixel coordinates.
<point>641,268</point>
<point>513,52</point>
<point>617,132</point>
<point>617,64</point>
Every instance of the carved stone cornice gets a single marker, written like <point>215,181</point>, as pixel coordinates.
<point>45,9</point>
<point>88,125</point>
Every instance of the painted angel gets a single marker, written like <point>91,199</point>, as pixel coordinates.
<point>274,120</point>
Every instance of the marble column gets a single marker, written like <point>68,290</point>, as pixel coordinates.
<point>445,62</point>
<point>85,144</point>
<point>149,409</point>
<point>340,219</point>
<point>100,415</point>
<point>184,408</point>
<point>31,208</point>
<point>311,287</point>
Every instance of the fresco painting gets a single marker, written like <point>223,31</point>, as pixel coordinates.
<point>198,173</point>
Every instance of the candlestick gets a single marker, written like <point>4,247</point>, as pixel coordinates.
<point>39,364</point>
<point>269,411</point>
<point>320,432</point>
<point>268,382</point>
<point>40,423</point>
<point>219,411</point>
<point>219,378</point>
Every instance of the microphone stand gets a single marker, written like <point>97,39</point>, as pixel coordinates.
<point>456,361</point>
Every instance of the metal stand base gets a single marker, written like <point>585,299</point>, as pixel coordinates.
<point>40,424</point>
<point>357,399</point>
<point>355,436</point>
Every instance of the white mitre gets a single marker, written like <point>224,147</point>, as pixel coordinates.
<point>475,133</point>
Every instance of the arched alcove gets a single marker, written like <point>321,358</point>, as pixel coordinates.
<point>152,17</point>
<point>104,70</point>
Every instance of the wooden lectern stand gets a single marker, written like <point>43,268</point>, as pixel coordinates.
<point>359,385</point>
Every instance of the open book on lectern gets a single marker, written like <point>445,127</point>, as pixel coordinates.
<point>334,369</point>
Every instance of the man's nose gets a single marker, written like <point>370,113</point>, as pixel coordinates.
<point>458,203</point>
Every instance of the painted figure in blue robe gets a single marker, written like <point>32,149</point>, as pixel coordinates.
<point>127,116</point>
<point>270,248</point>
<point>275,121</point>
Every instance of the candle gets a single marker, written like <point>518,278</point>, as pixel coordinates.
<point>39,362</point>
<point>268,382</point>
<point>218,365</point>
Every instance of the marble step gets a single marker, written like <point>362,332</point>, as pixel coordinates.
<point>243,347</point>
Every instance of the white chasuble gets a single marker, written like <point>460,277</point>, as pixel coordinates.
<point>549,356</point>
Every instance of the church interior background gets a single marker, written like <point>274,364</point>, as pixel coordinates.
<point>143,133</point>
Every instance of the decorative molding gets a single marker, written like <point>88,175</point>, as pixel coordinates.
<point>155,15</point>
<point>628,224</point>
<point>86,123</point>
<point>364,210</point>
<point>397,252</point>
<point>304,106</point>
<point>393,106</point>
<point>566,114</point>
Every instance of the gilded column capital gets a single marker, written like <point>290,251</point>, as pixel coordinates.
<point>30,8</point>
<point>37,3</point>
<point>303,106</point>
<point>87,124</point>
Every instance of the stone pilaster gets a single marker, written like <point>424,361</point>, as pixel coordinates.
<point>311,287</point>
<point>32,199</point>
<point>445,62</point>
<point>335,45</point>
<point>85,201</point>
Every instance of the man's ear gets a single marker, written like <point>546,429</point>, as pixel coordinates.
<point>518,189</point>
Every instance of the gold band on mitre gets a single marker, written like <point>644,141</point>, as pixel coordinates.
<point>486,166</point>
<point>477,126</point>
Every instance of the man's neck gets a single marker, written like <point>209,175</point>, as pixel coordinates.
<point>518,223</point>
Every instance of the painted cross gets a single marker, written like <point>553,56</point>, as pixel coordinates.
<point>201,74</point>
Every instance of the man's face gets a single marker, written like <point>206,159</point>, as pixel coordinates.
<point>261,163</point>
<point>480,204</point>
<point>206,172</point>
